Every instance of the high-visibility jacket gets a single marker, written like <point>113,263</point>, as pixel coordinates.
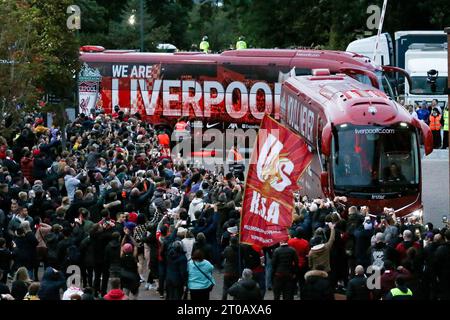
<point>396,292</point>
<point>446,120</point>
<point>234,155</point>
<point>435,123</point>
<point>241,45</point>
<point>180,126</point>
<point>204,46</point>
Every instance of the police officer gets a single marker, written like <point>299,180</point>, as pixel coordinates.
<point>241,44</point>
<point>204,45</point>
<point>400,292</point>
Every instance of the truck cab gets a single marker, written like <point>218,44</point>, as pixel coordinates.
<point>427,67</point>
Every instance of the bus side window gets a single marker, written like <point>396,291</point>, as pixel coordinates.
<point>319,145</point>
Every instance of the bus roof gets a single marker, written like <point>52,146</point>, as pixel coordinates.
<point>291,57</point>
<point>343,99</point>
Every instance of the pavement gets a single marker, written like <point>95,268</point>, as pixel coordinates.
<point>435,186</point>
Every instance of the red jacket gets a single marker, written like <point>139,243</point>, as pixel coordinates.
<point>115,294</point>
<point>302,248</point>
<point>26,165</point>
<point>402,247</point>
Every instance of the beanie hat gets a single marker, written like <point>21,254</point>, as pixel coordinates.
<point>132,217</point>
<point>130,225</point>
<point>127,248</point>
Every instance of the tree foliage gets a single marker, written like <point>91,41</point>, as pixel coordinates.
<point>38,53</point>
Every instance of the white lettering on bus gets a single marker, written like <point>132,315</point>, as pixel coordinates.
<point>243,98</point>
<point>169,97</point>
<point>208,99</point>
<point>193,101</point>
<point>267,98</point>
<point>179,96</point>
<point>298,116</point>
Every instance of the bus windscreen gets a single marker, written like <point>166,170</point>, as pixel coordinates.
<point>375,159</point>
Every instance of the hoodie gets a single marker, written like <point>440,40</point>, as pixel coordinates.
<point>115,294</point>
<point>320,254</point>
<point>71,184</point>
<point>197,204</point>
<point>51,283</point>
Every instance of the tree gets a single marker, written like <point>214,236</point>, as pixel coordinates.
<point>126,32</point>
<point>39,56</point>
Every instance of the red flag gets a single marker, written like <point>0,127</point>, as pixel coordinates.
<point>279,158</point>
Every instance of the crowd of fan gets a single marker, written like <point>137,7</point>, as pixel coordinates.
<point>110,201</point>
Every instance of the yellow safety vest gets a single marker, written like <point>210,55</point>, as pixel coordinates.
<point>204,46</point>
<point>241,45</point>
<point>397,292</point>
<point>446,120</point>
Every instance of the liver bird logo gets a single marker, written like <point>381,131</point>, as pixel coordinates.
<point>273,167</point>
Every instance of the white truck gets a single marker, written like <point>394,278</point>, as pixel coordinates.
<point>428,69</point>
<point>420,53</point>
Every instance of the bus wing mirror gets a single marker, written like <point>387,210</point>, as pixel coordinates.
<point>372,77</point>
<point>400,71</point>
<point>326,140</point>
<point>427,136</point>
<point>324,182</point>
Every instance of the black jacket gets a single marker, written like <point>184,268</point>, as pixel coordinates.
<point>40,166</point>
<point>51,283</point>
<point>87,250</point>
<point>245,290</point>
<point>284,260</point>
<point>176,268</point>
<point>357,289</point>
<point>5,259</point>
<point>13,166</point>
<point>100,240</point>
<point>205,248</point>
<point>317,286</point>
<point>231,256</point>
<point>112,256</point>
<point>442,268</point>
<point>25,251</point>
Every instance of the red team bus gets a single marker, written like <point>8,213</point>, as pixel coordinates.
<point>229,90</point>
<point>347,119</point>
<point>365,145</point>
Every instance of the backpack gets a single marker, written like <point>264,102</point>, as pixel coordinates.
<point>73,256</point>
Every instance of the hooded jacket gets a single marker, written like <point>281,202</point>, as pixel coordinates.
<point>176,268</point>
<point>51,283</point>
<point>246,289</point>
<point>71,184</point>
<point>197,204</point>
<point>320,254</point>
<point>317,286</point>
<point>115,294</point>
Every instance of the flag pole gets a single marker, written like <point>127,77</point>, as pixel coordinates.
<point>380,27</point>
